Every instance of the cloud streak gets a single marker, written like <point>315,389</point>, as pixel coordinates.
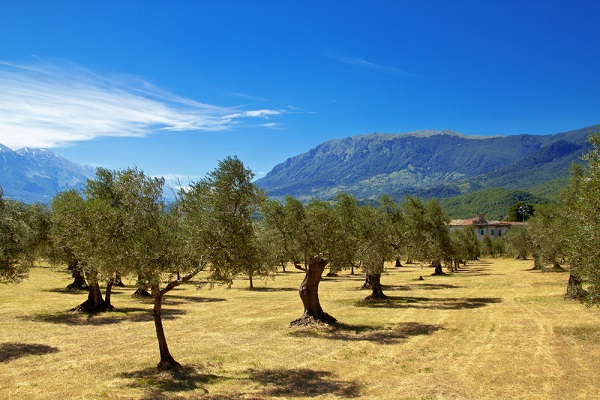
<point>362,63</point>
<point>54,105</point>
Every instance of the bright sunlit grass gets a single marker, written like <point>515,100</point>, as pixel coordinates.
<point>494,330</point>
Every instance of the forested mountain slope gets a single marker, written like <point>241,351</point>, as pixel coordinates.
<point>425,163</point>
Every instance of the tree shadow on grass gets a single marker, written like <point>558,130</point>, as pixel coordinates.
<point>430,303</point>
<point>181,299</point>
<point>184,379</point>
<point>116,316</point>
<point>420,286</point>
<point>344,278</point>
<point>303,382</point>
<point>68,291</point>
<point>475,271</point>
<point>379,335</point>
<point>268,289</point>
<point>11,351</point>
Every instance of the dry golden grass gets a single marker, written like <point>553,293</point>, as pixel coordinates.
<point>494,330</point>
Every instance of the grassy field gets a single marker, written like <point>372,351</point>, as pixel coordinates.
<point>494,330</point>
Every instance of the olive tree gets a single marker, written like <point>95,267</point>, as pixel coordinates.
<point>374,247</point>
<point>15,244</point>
<point>220,209</point>
<point>583,211</point>
<point>427,234</point>
<point>465,246</point>
<point>546,230</point>
<point>518,241</point>
<point>320,226</point>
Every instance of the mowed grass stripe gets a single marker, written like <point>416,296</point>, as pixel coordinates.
<point>495,329</point>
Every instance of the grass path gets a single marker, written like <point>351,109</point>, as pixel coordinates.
<point>493,330</point>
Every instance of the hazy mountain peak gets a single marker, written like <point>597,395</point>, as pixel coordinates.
<point>36,175</point>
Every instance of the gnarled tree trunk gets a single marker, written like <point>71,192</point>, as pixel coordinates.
<point>79,279</point>
<point>118,280</point>
<point>438,267</point>
<point>94,302</point>
<point>398,263</point>
<point>575,290</point>
<point>309,293</point>
<point>377,290</point>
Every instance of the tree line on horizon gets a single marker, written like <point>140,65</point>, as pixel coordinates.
<point>121,225</point>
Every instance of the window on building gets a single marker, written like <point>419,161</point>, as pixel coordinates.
<point>499,232</point>
<point>492,233</point>
<point>482,232</point>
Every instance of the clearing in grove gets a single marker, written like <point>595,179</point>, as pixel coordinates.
<point>494,330</point>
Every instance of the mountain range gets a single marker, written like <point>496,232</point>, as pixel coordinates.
<point>36,175</point>
<point>427,164</point>
<point>469,174</point>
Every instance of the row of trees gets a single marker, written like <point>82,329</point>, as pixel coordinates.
<point>569,230</point>
<point>121,225</point>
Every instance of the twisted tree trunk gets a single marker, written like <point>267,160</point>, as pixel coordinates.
<point>438,267</point>
<point>377,290</point>
<point>167,362</point>
<point>94,302</point>
<point>78,277</point>
<point>575,290</point>
<point>309,294</point>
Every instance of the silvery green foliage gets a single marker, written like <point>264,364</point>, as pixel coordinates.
<point>583,208</point>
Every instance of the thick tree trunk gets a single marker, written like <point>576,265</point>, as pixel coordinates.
<point>377,290</point>
<point>167,362</point>
<point>79,280</point>
<point>309,294</point>
<point>575,290</point>
<point>109,286</point>
<point>119,281</point>
<point>398,263</point>
<point>94,302</point>
<point>438,268</point>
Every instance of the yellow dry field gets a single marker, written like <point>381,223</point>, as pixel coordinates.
<point>494,330</point>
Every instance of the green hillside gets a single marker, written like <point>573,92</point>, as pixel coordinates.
<point>492,202</point>
<point>427,164</point>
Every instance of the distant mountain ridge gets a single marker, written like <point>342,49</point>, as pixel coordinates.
<point>425,163</point>
<point>36,175</point>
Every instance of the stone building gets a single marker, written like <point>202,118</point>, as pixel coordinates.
<point>482,227</point>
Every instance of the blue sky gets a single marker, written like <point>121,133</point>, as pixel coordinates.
<point>173,87</point>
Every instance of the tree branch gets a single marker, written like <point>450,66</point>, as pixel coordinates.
<point>173,284</point>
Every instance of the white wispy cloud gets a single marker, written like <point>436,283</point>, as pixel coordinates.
<point>362,63</point>
<point>51,105</point>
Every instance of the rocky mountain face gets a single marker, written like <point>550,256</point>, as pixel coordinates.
<point>36,175</point>
<point>425,163</point>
